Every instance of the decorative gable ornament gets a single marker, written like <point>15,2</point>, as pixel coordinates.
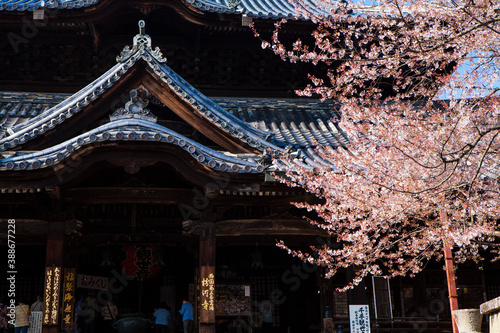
<point>142,46</point>
<point>133,109</point>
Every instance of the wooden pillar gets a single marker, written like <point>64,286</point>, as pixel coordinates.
<point>55,244</point>
<point>207,279</point>
<point>452,288</point>
<point>450,275</point>
<point>54,260</point>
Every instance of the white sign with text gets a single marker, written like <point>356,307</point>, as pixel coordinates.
<point>359,317</point>
<point>36,322</point>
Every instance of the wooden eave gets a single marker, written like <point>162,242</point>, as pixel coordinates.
<point>165,196</point>
<point>261,227</point>
<point>75,170</point>
<point>102,10</point>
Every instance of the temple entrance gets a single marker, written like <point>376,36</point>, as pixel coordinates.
<point>135,255</point>
<point>138,277</point>
<point>138,255</point>
<point>258,286</point>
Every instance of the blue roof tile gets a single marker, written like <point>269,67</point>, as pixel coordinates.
<point>29,5</point>
<point>271,9</point>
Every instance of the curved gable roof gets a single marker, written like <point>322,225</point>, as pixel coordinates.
<point>141,50</point>
<point>298,126</point>
<point>268,126</point>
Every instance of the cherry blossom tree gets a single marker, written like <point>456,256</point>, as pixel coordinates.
<point>410,156</point>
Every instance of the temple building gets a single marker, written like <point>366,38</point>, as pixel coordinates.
<point>136,148</point>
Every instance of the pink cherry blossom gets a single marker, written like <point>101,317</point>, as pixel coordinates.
<point>409,156</point>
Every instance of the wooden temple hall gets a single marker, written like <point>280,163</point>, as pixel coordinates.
<point>136,147</point>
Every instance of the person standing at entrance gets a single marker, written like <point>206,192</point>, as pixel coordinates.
<point>187,316</point>
<point>22,313</point>
<point>162,318</point>
<point>38,305</point>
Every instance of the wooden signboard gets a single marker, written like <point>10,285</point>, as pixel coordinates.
<point>92,282</point>
<point>207,295</point>
<point>68,301</point>
<point>51,295</point>
<point>233,300</point>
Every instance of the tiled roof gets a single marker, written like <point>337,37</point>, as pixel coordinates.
<point>287,125</point>
<point>297,123</point>
<point>17,108</point>
<point>27,130</point>
<point>22,5</point>
<point>272,9</point>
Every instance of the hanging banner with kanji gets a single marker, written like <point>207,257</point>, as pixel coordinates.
<point>68,300</point>
<point>207,295</point>
<point>51,295</point>
<point>359,316</point>
<point>141,261</point>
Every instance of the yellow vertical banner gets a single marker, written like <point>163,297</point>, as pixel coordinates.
<point>51,295</point>
<point>207,295</point>
<point>68,300</point>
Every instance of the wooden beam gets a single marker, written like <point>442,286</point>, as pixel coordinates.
<point>257,227</point>
<point>95,36</point>
<point>136,195</point>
